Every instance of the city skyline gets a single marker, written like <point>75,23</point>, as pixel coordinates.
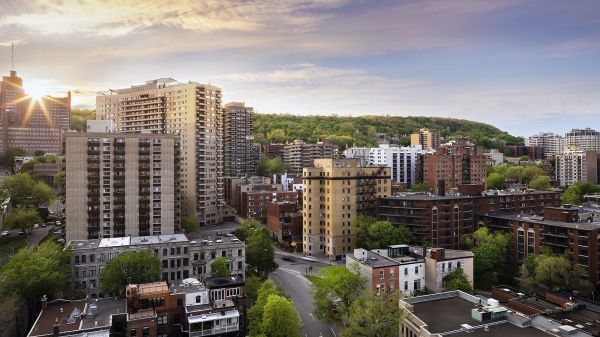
<point>494,62</point>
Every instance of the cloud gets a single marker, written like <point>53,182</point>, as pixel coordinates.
<point>117,17</point>
<point>16,42</point>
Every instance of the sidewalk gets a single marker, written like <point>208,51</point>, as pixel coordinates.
<point>317,259</point>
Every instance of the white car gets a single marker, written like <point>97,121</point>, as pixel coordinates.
<point>3,234</point>
<point>36,226</point>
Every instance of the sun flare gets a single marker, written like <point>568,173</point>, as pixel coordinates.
<point>35,90</point>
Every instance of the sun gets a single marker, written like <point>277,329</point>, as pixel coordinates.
<point>35,90</point>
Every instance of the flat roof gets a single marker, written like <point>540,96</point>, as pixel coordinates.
<point>216,282</point>
<point>503,329</point>
<point>375,260</point>
<point>530,218</point>
<point>127,241</point>
<point>443,315</point>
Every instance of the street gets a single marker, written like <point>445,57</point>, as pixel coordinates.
<point>34,237</point>
<point>289,276</point>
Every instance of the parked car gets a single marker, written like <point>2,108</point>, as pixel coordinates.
<point>60,241</point>
<point>43,225</point>
<point>50,223</point>
<point>58,231</point>
<point>21,232</point>
<point>3,234</point>
<point>36,226</point>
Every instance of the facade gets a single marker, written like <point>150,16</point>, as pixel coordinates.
<point>284,221</point>
<point>455,164</point>
<point>426,138</point>
<point>442,220</point>
<point>32,124</point>
<point>404,161</point>
<point>534,152</point>
<point>121,184</point>
<point>103,126</point>
<point>180,257</point>
<point>576,165</point>
<point>560,229</point>
<point>299,154</point>
<point>193,112</point>
<point>439,262</point>
<point>239,156</point>
<point>253,203</point>
<point>391,269</point>
<point>192,307</point>
<point>585,139</point>
<point>494,157</point>
<point>273,150</point>
<point>552,144</point>
<point>232,188</point>
<point>335,192</point>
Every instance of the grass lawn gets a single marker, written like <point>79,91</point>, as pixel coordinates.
<point>10,245</point>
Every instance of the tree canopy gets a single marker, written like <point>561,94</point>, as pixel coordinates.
<point>420,187</point>
<point>130,267</point>
<point>574,193</point>
<point>79,118</point>
<point>373,234</point>
<point>246,229</point>
<point>374,315</point>
<point>7,160</point>
<point>255,313</point>
<point>260,255</point>
<point>220,267</point>
<point>36,271</point>
<point>189,224</point>
<point>492,263</point>
<point>547,271</point>
<point>268,167</point>
<point>280,318</point>
<point>24,191</point>
<point>334,289</point>
<point>457,280</point>
<point>23,218</point>
<point>532,176</point>
<point>361,130</point>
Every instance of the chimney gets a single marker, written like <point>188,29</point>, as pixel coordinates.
<point>441,187</point>
<point>44,302</point>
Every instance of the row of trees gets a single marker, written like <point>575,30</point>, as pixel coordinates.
<point>272,314</point>
<point>574,193</point>
<point>532,175</point>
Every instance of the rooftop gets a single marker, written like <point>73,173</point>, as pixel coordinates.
<point>217,282</point>
<point>432,196</point>
<point>502,330</point>
<point>374,260</point>
<point>446,314</point>
<point>189,285</point>
<point>127,241</point>
<point>77,316</point>
<point>536,219</point>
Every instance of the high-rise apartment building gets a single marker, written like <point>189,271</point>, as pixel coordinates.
<point>120,184</point>
<point>192,111</point>
<point>458,163</point>
<point>239,153</point>
<point>552,144</point>
<point>426,138</point>
<point>576,165</point>
<point>402,160</point>
<point>299,154</point>
<point>31,124</point>
<point>335,192</point>
<point>586,139</point>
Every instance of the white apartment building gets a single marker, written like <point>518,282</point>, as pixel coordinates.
<point>192,111</point>
<point>586,139</point>
<point>553,144</point>
<point>402,160</point>
<point>576,165</point>
<point>494,157</point>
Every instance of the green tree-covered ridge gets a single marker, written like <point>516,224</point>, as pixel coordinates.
<point>355,130</point>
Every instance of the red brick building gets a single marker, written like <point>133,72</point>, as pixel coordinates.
<point>284,221</point>
<point>253,202</point>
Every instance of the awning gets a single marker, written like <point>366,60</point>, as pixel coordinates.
<point>213,316</point>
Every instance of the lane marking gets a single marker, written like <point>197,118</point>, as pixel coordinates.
<point>333,332</point>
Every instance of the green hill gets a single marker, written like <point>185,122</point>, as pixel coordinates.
<point>355,130</point>
<point>362,130</point>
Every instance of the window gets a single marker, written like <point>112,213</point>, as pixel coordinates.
<point>417,270</point>
<point>133,333</point>
<point>145,331</point>
<point>381,274</point>
<point>405,271</point>
<point>162,320</point>
<point>233,292</point>
<point>405,285</point>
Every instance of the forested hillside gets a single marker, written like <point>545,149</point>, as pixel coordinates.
<point>362,130</point>
<point>78,118</point>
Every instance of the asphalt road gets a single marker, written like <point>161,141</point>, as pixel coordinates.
<point>289,276</point>
<point>36,234</point>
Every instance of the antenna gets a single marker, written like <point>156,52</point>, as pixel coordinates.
<point>12,59</point>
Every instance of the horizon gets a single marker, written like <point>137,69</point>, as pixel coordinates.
<point>497,63</point>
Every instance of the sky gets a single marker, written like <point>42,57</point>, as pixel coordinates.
<point>524,66</point>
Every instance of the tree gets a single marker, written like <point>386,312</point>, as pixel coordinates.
<point>541,183</point>
<point>23,218</point>
<point>23,190</point>
<point>277,136</point>
<point>496,181</point>
<point>374,315</point>
<point>574,193</point>
<point>280,318</point>
<point>457,280</point>
<point>36,271</point>
<point>420,187</point>
<point>189,224</point>
<point>8,158</point>
<point>373,234</point>
<point>247,228</point>
<point>334,290</point>
<point>220,267</point>
<point>253,283</point>
<point>491,261</point>
<point>59,180</point>
<point>268,167</point>
<point>79,118</point>
<point>39,153</point>
<point>255,313</point>
<point>260,255</point>
<point>547,271</point>
<point>129,268</point>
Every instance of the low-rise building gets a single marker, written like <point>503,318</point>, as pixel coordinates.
<point>180,257</point>
<point>284,221</point>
